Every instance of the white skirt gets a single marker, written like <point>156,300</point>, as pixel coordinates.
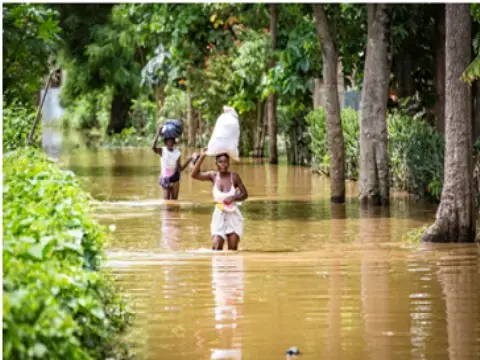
<point>226,223</point>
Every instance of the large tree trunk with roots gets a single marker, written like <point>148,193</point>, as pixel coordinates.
<point>455,218</point>
<point>374,177</point>
<point>191,121</point>
<point>118,114</point>
<point>272,103</point>
<point>336,147</point>
<point>440,67</point>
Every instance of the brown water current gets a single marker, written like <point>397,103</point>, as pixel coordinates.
<point>335,280</point>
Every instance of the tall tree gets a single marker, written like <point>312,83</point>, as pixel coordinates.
<point>455,218</point>
<point>326,34</point>
<point>102,50</point>
<point>374,176</point>
<point>271,104</point>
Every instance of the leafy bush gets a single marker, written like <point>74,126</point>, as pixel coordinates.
<point>416,152</point>
<point>319,145</point>
<point>17,122</point>
<point>56,302</point>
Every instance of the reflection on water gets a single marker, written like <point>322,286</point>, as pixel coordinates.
<point>227,284</point>
<point>334,280</point>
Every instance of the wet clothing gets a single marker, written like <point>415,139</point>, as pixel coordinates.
<point>225,221</point>
<point>170,173</point>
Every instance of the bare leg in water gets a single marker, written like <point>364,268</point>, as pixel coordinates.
<point>174,190</point>
<point>233,241</point>
<point>167,193</point>
<point>217,243</point>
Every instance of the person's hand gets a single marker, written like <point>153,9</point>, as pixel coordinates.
<point>203,152</point>
<point>228,200</point>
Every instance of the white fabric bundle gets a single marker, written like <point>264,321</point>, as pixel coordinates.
<point>226,135</point>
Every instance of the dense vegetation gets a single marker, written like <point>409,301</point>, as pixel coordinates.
<point>57,303</point>
<point>416,151</point>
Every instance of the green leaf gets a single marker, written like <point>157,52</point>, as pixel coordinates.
<point>39,350</point>
<point>36,251</point>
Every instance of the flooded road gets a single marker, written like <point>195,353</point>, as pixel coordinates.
<point>334,280</point>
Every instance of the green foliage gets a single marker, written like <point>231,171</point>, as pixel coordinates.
<point>30,39</point>
<point>317,122</point>
<point>249,67</point>
<point>416,151</point>
<point>291,117</point>
<point>129,137</point>
<point>472,72</point>
<point>109,56</point>
<point>17,122</point>
<point>217,87</point>
<point>143,115</point>
<point>414,236</point>
<point>90,111</point>
<point>56,302</point>
<point>175,106</point>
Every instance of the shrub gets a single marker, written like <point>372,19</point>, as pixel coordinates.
<point>57,304</point>
<point>17,122</point>
<point>416,152</point>
<point>319,145</point>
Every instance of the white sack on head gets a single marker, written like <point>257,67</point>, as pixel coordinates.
<point>230,110</point>
<point>225,136</point>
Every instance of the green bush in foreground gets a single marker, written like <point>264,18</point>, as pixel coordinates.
<point>57,304</point>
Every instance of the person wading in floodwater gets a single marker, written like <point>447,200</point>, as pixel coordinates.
<point>171,167</point>
<point>228,188</point>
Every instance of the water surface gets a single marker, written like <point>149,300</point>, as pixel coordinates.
<point>334,280</point>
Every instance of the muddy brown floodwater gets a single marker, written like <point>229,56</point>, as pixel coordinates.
<point>334,280</point>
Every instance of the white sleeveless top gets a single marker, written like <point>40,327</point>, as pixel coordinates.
<point>168,161</point>
<point>218,195</point>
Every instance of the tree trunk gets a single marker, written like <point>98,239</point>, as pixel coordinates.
<point>476,111</point>
<point>374,179</point>
<point>440,67</point>
<point>272,104</point>
<point>118,114</point>
<point>258,130</point>
<point>336,147</point>
<point>455,218</point>
<point>263,134</point>
<point>191,123</point>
